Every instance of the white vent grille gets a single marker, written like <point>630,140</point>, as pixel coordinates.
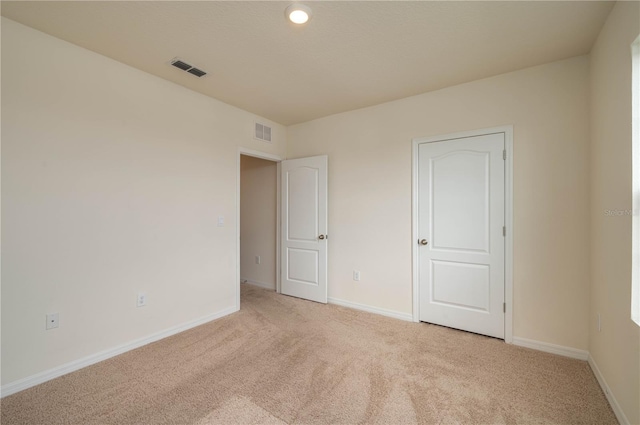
<point>262,132</point>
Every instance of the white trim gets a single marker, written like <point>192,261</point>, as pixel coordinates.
<point>414,232</point>
<point>508,216</point>
<point>375,310</point>
<point>259,154</point>
<point>268,157</point>
<point>508,247</point>
<point>47,375</point>
<point>622,418</point>
<point>560,350</point>
<point>278,224</point>
<point>580,355</point>
<point>635,192</point>
<point>259,284</point>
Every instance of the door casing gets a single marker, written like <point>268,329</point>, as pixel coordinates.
<point>508,284</point>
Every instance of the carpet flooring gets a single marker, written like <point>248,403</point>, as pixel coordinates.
<point>281,360</point>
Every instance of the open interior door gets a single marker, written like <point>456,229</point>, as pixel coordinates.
<point>304,228</point>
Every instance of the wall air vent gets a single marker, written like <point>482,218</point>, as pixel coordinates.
<point>262,132</point>
<point>180,64</point>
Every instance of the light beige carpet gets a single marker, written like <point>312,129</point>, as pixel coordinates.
<point>284,360</point>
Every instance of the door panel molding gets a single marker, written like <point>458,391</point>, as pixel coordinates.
<point>508,218</point>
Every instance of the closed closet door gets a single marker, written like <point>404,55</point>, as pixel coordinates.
<point>461,218</point>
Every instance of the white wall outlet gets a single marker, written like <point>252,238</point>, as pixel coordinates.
<point>257,259</point>
<point>141,300</point>
<point>53,321</point>
<point>356,275</point>
<point>599,323</point>
<point>220,220</point>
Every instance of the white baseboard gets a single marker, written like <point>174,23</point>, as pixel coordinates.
<point>574,353</point>
<point>259,284</point>
<point>580,355</point>
<point>39,378</point>
<point>622,418</point>
<point>384,312</point>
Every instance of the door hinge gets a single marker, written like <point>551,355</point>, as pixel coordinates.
<point>504,307</point>
<point>504,230</point>
<point>504,154</point>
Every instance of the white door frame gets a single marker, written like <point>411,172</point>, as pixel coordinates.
<point>508,204</point>
<point>268,157</point>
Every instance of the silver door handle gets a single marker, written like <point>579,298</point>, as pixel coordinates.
<point>321,237</point>
<point>423,242</point>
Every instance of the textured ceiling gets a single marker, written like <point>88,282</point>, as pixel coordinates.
<point>352,54</point>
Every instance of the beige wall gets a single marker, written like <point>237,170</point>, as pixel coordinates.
<point>370,191</point>
<point>616,348</point>
<point>258,183</point>
<point>112,183</point>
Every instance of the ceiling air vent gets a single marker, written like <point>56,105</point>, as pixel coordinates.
<point>180,64</point>
<point>263,132</point>
<point>197,72</point>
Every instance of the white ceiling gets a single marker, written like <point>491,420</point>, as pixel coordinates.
<point>351,54</point>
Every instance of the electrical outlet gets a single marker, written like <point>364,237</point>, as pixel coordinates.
<point>356,275</point>
<point>52,321</point>
<point>220,221</point>
<point>141,300</point>
<point>257,259</point>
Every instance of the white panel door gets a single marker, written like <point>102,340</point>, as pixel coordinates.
<point>461,189</point>
<point>304,228</point>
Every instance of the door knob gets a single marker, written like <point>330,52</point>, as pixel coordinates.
<point>321,237</point>
<point>423,242</point>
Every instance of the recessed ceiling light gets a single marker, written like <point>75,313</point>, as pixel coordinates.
<point>298,13</point>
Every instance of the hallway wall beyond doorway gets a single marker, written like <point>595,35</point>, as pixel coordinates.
<point>258,218</point>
